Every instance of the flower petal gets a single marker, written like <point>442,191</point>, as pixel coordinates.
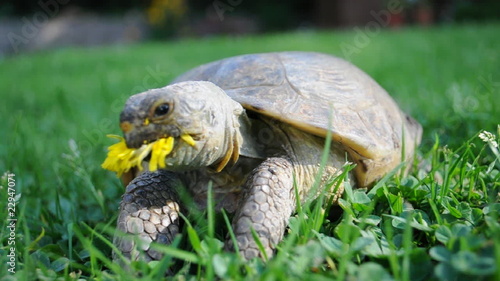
<point>121,158</point>
<point>188,139</point>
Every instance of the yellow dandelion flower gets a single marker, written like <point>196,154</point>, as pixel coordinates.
<point>121,159</point>
<point>161,148</point>
<point>119,155</point>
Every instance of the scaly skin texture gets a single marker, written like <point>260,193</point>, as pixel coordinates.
<point>267,204</point>
<point>149,210</point>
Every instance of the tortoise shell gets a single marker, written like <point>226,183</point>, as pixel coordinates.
<point>318,93</point>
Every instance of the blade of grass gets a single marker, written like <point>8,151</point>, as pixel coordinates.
<point>262,250</point>
<point>231,232</point>
<point>383,180</point>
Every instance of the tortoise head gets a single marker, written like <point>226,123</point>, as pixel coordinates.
<point>198,115</point>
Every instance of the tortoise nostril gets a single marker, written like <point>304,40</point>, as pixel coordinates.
<point>126,126</point>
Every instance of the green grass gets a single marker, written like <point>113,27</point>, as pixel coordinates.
<point>58,106</point>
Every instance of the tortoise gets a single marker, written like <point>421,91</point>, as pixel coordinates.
<point>255,127</point>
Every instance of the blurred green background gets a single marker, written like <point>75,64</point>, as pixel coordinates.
<point>67,68</point>
<point>28,25</point>
<point>442,68</point>
<point>439,60</point>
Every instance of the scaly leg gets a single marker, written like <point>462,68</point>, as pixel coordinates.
<point>267,205</point>
<point>149,210</point>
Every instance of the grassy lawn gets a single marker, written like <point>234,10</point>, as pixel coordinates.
<point>58,106</point>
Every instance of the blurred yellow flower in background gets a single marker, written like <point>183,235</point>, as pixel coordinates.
<point>161,11</point>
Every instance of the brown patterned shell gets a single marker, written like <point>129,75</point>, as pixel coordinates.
<point>318,92</point>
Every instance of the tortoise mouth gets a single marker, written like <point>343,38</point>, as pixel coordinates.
<point>194,137</point>
<point>136,140</point>
<point>169,148</point>
<point>160,149</point>
<point>122,158</point>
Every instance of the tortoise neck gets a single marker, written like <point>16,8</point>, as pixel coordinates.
<point>242,138</point>
<point>252,132</point>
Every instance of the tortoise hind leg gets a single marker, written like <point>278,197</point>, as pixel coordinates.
<point>149,210</point>
<point>267,205</point>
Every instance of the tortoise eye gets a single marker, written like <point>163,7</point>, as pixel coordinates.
<point>162,110</point>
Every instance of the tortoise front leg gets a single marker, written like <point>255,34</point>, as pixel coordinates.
<point>267,205</point>
<point>149,210</point>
